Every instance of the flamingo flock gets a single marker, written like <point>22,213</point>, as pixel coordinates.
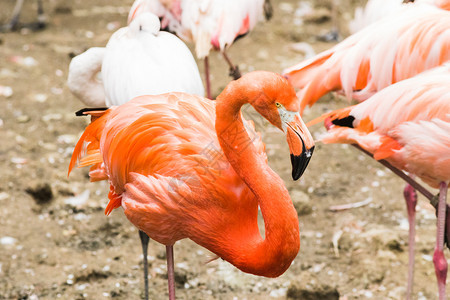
<point>405,117</point>
<point>150,143</point>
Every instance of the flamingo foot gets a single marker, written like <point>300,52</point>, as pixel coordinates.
<point>440,268</point>
<point>170,272</point>
<point>330,37</point>
<point>144,242</point>
<point>268,10</point>
<point>411,201</point>
<point>234,70</point>
<point>235,73</point>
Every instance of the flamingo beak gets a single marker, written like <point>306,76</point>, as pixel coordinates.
<point>301,144</point>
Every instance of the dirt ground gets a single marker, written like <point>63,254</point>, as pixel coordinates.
<point>55,246</point>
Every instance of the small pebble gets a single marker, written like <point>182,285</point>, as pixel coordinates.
<point>7,241</point>
<point>24,61</point>
<point>4,196</point>
<point>18,160</point>
<point>23,119</point>
<point>89,34</point>
<point>6,91</point>
<point>41,98</point>
<point>281,292</point>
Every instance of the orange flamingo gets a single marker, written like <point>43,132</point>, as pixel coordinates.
<point>392,49</point>
<point>212,24</point>
<point>408,125</point>
<point>138,60</point>
<point>182,166</point>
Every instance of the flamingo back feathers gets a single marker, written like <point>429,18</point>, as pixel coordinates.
<point>392,49</point>
<point>139,62</point>
<point>171,135</point>
<point>86,151</point>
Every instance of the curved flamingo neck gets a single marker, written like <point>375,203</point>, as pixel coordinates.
<point>82,79</point>
<point>273,255</point>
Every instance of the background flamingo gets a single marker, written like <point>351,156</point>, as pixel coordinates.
<point>390,50</point>
<point>138,60</point>
<point>152,150</point>
<point>210,25</point>
<point>378,9</point>
<point>408,125</point>
<point>13,24</point>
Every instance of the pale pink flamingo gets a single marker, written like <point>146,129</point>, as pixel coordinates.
<point>138,60</point>
<point>378,9</point>
<point>408,126</point>
<point>393,49</point>
<point>209,24</point>
<point>182,166</point>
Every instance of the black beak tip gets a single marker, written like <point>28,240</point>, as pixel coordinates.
<point>300,162</point>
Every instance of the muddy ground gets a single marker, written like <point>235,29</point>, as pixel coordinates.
<point>54,246</point>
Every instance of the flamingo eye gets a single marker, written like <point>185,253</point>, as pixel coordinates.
<point>278,105</point>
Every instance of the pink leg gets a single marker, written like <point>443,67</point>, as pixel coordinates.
<point>411,201</point>
<point>440,263</point>
<point>234,70</point>
<point>170,272</point>
<point>208,83</point>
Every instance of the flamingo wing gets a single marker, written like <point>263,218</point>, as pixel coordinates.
<point>387,125</point>
<point>82,78</point>
<point>169,136</point>
<point>392,49</point>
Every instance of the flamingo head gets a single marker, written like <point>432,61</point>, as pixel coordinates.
<point>275,99</point>
<point>146,22</point>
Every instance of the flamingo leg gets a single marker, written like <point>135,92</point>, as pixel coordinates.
<point>411,201</point>
<point>443,224</point>
<point>440,263</point>
<point>268,10</point>
<point>234,70</point>
<point>144,242</point>
<point>14,22</point>
<point>418,187</point>
<point>208,83</point>
<point>170,272</point>
<point>333,34</point>
<point>12,25</point>
<point>41,17</point>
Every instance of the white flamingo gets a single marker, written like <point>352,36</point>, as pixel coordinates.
<point>138,60</point>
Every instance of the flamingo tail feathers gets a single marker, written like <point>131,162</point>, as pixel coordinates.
<point>115,201</point>
<point>387,148</point>
<point>337,117</point>
<point>315,77</point>
<point>87,150</point>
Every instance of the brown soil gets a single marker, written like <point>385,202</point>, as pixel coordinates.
<point>68,251</point>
